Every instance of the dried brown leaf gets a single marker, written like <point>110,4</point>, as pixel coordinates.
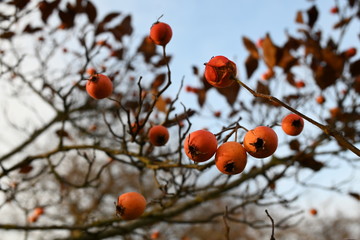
<point>251,65</point>
<point>251,47</point>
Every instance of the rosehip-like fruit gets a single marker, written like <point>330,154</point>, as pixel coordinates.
<point>231,158</point>
<point>158,135</point>
<point>200,145</point>
<point>261,142</point>
<point>292,124</point>
<point>320,99</point>
<point>99,86</point>
<point>350,52</point>
<point>160,33</point>
<point>220,72</point>
<point>130,205</point>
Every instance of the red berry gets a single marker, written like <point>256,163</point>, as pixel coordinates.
<point>220,72</point>
<point>99,86</point>
<point>292,124</point>
<point>130,205</point>
<point>158,135</point>
<point>231,158</point>
<point>160,33</point>
<point>261,142</point>
<point>200,145</point>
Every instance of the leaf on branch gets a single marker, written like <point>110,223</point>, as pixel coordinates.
<point>312,16</point>
<point>351,3</point>
<point>355,195</point>
<point>30,29</point>
<point>230,93</point>
<point>308,161</point>
<point>7,35</point>
<point>122,29</point>
<point>251,65</point>
<point>20,4</point>
<point>162,61</point>
<point>334,60</point>
<point>91,12</point>
<point>108,18</point>
<point>26,169</point>
<point>158,81</point>
<point>67,18</point>
<point>201,93</point>
<point>147,48</point>
<point>294,145</point>
<point>325,76</point>
<point>355,68</point>
<point>118,53</point>
<point>270,52</point>
<point>262,88</point>
<point>161,104</point>
<point>251,47</point>
<point>287,61</point>
<point>195,70</point>
<point>299,17</point>
<point>62,133</point>
<point>47,8</point>
<point>290,78</point>
<point>342,23</point>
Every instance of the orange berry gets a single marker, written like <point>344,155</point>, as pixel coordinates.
<point>158,135</point>
<point>231,158</point>
<point>313,211</point>
<point>155,235</point>
<point>292,124</point>
<point>259,42</point>
<point>200,145</point>
<point>32,218</point>
<point>99,86</point>
<point>130,205</point>
<point>350,52</point>
<point>220,72</point>
<point>91,71</point>
<point>300,84</point>
<point>38,211</point>
<point>320,99</point>
<point>160,33</point>
<point>268,74</point>
<point>261,142</point>
<point>334,10</point>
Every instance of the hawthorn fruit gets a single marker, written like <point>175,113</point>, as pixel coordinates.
<point>220,72</point>
<point>130,205</point>
<point>158,135</point>
<point>231,158</point>
<point>261,142</point>
<point>99,86</point>
<point>200,145</point>
<point>160,33</point>
<point>292,124</point>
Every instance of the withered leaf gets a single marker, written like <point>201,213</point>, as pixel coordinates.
<point>351,3</point>
<point>308,161</point>
<point>47,8</point>
<point>161,104</point>
<point>299,17</point>
<point>251,47</point>
<point>230,93</point>
<point>201,96</point>
<point>355,195</point>
<point>91,11</point>
<point>158,81</point>
<point>162,61</point>
<point>325,76</point>
<point>195,70</point>
<point>7,35</point>
<point>334,60</point>
<point>287,61</point>
<point>294,145</point>
<point>270,52</point>
<point>262,88</point>
<point>342,22</point>
<point>147,48</point>
<point>251,65</point>
<point>30,29</point>
<point>122,29</point>
<point>355,68</point>
<point>312,16</point>
<point>20,4</point>
<point>67,18</point>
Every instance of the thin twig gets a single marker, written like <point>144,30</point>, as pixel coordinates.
<point>272,225</point>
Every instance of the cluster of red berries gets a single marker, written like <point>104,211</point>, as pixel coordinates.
<point>231,157</point>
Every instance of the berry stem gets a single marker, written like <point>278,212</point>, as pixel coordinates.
<point>325,128</point>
